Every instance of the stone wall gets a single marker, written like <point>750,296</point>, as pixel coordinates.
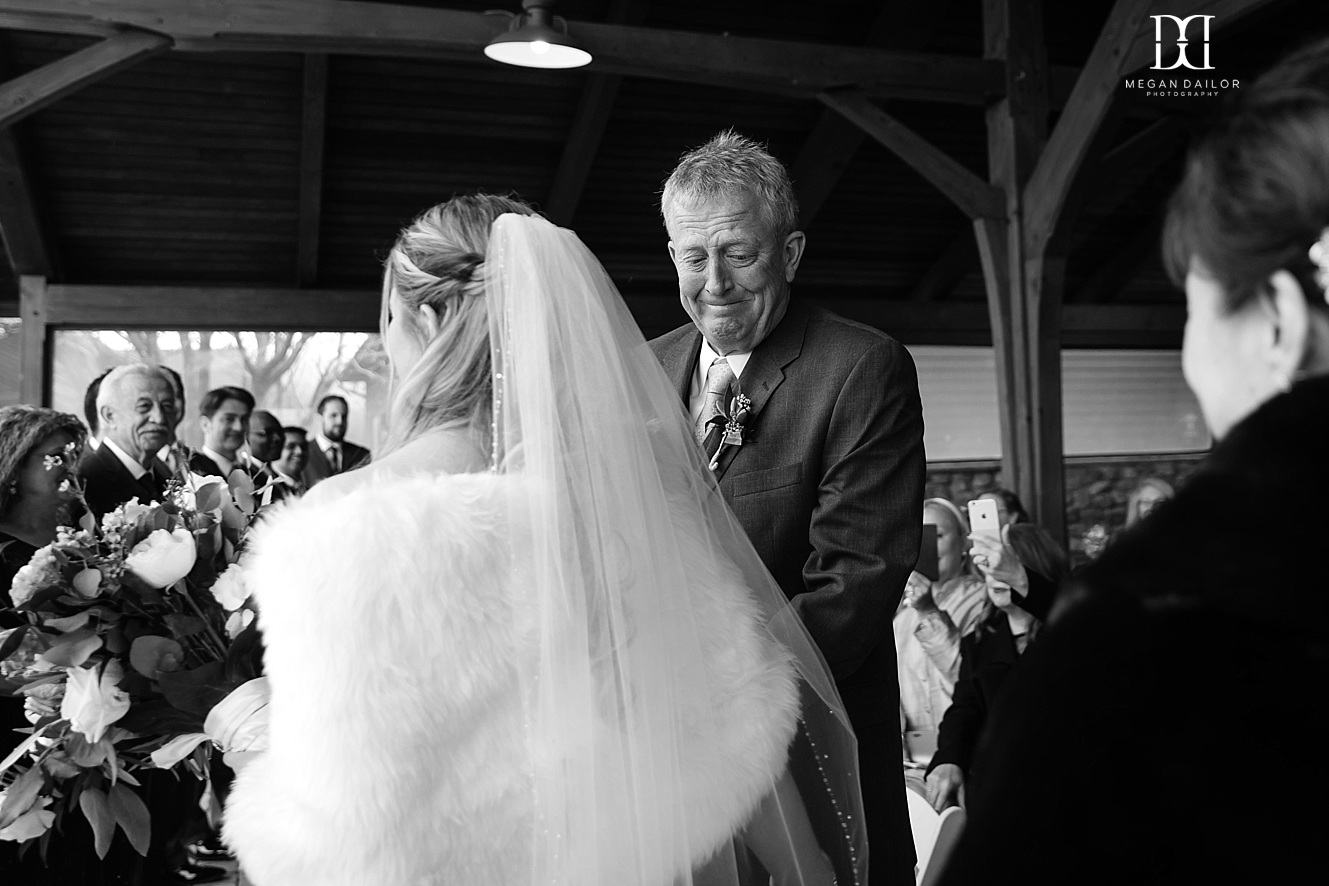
<point>1096,488</point>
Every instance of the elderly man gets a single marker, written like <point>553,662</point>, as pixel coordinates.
<point>136,409</point>
<point>830,484</point>
<point>224,419</point>
<point>332,453</point>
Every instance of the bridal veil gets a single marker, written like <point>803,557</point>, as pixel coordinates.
<point>655,731</point>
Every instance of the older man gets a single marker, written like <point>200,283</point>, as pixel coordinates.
<point>830,483</point>
<point>224,419</point>
<point>136,409</point>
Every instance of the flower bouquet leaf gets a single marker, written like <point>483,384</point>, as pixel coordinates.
<point>138,628</point>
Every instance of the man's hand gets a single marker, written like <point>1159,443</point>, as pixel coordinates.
<point>998,561</point>
<point>944,785</point>
<point>918,593</point>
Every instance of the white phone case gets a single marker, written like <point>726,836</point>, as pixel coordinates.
<point>983,516</point>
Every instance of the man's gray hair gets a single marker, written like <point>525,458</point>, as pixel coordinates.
<point>731,165</point>
<point>111,384</point>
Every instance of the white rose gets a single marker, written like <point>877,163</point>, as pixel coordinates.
<point>231,590</point>
<point>163,558</point>
<point>91,704</point>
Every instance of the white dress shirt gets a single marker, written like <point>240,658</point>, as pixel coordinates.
<point>221,461</point>
<point>697,391</point>
<point>132,466</point>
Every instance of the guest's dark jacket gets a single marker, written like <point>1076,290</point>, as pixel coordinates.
<point>318,469</point>
<point>107,483</point>
<point>1171,726</point>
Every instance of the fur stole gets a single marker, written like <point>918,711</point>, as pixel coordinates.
<point>396,645</point>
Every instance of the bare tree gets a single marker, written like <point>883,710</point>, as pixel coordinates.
<point>268,357</point>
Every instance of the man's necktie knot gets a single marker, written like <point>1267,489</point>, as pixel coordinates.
<point>719,380</point>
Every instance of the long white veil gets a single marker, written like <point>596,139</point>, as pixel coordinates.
<point>642,765</point>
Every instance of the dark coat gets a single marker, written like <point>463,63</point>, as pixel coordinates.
<point>829,488</point>
<point>317,468</point>
<point>1169,727</point>
<point>107,483</point>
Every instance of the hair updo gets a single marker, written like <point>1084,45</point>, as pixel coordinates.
<point>438,260</point>
<point>1255,196</point>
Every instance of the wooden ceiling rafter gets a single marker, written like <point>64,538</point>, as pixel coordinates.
<point>833,142</point>
<point>313,138</point>
<point>22,230</point>
<point>1116,272</point>
<point>30,92</point>
<point>782,67</point>
<point>955,262</point>
<point>588,125</point>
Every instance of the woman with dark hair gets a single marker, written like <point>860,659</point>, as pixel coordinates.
<point>1014,614</point>
<point>1130,741</point>
<point>1009,507</point>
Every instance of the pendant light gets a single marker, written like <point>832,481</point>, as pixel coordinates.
<point>534,40</point>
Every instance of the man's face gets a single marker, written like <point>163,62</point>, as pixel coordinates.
<point>294,455</point>
<point>265,437</point>
<point>334,420</point>
<point>140,415</point>
<point>733,271</point>
<point>225,431</point>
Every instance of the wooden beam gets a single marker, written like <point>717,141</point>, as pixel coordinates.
<point>975,197</point>
<point>833,142</point>
<point>34,343</point>
<point>380,29</point>
<point>588,126</point>
<point>313,126</point>
<point>202,307</point>
<point>1099,82</point>
<point>34,90</point>
<point>955,262</point>
<point>20,221</point>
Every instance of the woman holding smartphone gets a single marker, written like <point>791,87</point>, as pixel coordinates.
<point>1136,740</point>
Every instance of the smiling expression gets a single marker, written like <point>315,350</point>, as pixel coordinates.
<point>733,269</point>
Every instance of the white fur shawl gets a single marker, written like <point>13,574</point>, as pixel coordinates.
<point>398,754</point>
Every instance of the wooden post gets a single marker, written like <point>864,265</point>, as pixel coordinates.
<point>35,386</point>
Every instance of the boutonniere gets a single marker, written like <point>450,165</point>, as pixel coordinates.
<point>740,414</point>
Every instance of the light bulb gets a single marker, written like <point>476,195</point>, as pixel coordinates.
<point>539,47</point>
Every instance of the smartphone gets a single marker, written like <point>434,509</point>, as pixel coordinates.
<point>983,517</point>
<point>927,553</point>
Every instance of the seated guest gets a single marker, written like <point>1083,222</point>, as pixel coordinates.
<point>1168,728</point>
<point>93,440</point>
<point>137,409</point>
<point>290,467</point>
<point>224,419</point>
<point>1009,507</point>
<point>1021,577</point>
<point>932,617</point>
<point>1148,495</point>
<point>332,453</point>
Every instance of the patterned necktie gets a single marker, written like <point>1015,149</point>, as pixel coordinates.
<point>719,378</point>
<point>334,459</point>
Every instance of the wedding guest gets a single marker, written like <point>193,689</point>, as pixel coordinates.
<point>932,619</point>
<point>1168,728</point>
<point>175,455</point>
<point>1146,498</point>
<point>93,440</point>
<point>266,441</point>
<point>224,420</point>
<point>290,466</point>
<point>830,496</point>
<point>1019,598</point>
<point>331,453</point>
<point>1009,507</point>
<point>137,409</point>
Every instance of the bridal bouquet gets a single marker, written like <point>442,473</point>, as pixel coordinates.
<point>139,633</point>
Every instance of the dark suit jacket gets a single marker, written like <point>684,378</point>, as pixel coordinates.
<point>829,487</point>
<point>107,483</point>
<point>316,469</point>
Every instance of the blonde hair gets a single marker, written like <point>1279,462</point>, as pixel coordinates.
<point>438,260</point>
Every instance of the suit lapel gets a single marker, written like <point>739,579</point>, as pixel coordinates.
<point>679,359</point>
<point>765,372</point>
